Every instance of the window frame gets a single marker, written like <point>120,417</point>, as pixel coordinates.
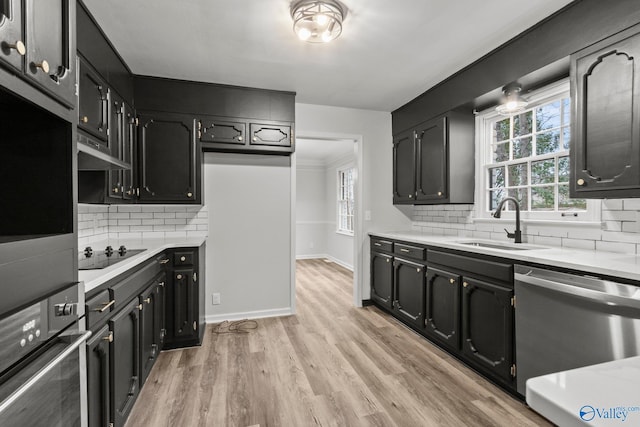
<point>483,140</point>
<point>339,200</point>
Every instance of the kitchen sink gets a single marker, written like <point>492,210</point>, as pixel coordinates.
<point>505,246</point>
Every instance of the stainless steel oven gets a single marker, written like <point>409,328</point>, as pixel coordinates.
<point>43,362</point>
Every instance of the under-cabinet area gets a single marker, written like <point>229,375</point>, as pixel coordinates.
<point>154,305</point>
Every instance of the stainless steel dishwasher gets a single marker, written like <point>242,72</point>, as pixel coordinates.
<point>565,321</point>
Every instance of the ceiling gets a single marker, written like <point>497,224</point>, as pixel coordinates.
<point>389,51</point>
<point>322,152</point>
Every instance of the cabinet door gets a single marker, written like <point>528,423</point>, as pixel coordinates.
<point>443,307</point>
<point>115,132</point>
<point>432,160</point>
<point>12,47</point>
<point>222,131</point>
<point>185,304</point>
<point>128,151</point>
<point>125,362</point>
<point>93,105</point>
<point>98,378</point>
<point>270,135</point>
<point>404,172</point>
<point>487,327</point>
<point>605,149</point>
<point>382,279</point>
<point>409,291</point>
<point>50,53</point>
<point>169,159</point>
<point>148,345</point>
<point>160,330</point>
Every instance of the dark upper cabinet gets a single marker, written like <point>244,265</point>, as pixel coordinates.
<point>434,163</point>
<point>382,278</point>
<point>12,42</point>
<point>98,378</point>
<point>487,327</point>
<point>404,184</point>
<point>605,148</point>
<point>50,48</point>
<point>170,168</point>
<point>125,361</point>
<point>270,135</point>
<point>128,153</point>
<point>222,131</point>
<point>122,141</point>
<point>93,105</point>
<point>409,291</point>
<point>442,319</point>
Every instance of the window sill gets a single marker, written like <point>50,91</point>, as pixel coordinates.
<point>345,233</point>
<point>543,222</point>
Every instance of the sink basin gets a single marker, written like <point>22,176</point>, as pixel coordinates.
<point>506,246</point>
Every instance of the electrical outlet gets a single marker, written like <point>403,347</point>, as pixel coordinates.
<point>215,299</point>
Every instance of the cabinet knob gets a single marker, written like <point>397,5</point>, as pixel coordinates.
<point>452,281</point>
<point>179,276</point>
<point>465,284</point>
<point>418,270</point>
<point>439,193</point>
<point>195,325</point>
<point>84,119</point>
<point>18,46</point>
<point>109,337</point>
<point>129,192</point>
<point>116,190</point>
<point>189,194</point>
<point>411,196</point>
<point>580,182</point>
<point>195,277</point>
<point>148,300</point>
<point>44,66</point>
<point>255,138</point>
<point>183,258</point>
<point>140,307</point>
<point>387,259</point>
<point>240,138</point>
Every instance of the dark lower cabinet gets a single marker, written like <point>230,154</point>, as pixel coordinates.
<point>409,291</point>
<point>98,377</point>
<point>185,319</point>
<point>382,278</point>
<point>442,319</point>
<point>487,327</point>
<point>125,361</point>
<point>151,325</point>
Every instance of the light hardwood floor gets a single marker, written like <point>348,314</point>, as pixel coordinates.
<point>329,365</point>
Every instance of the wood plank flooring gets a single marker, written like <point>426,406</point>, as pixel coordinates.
<point>329,365</point>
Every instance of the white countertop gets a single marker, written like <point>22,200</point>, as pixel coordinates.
<point>607,394</point>
<point>597,262</point>
<point>94,278</point>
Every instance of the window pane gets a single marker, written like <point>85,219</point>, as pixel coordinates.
<point>566,137</point>
<point>543,172</point>
<point>518,174</point>
<point>563,169</point>
<point>565,203</point>
<point>522,148</point>
<point>521,195</point>
<point>548,116</point>
<point>496,177</point>
<point>548,142</point>
<point>566,111</point>
<point>494,198</point>
<point>542,198</point>
<point>501,152</point>
<point>522,123</point>
<point>501,130</point>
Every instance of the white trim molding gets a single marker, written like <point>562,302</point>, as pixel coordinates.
<point>259,314</point>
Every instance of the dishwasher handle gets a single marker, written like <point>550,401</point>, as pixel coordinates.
<point>602,298</point>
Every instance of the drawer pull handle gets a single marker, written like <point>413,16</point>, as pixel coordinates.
<point>109,337</point>
<point>377,244</point>
<point>161,284</point>
<point>84,119</point>
<point>164,261</point>
<point>183,258</point>
<point>105,306</point>
<point>405,250</point>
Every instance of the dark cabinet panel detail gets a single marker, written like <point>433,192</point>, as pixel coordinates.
<point>409,290</point>
<point>265,134</point>
<point>404,185</point>
<point>93,105</point>
<point>98,378</point>
<point>606,109</point>
<point>223,131</point>
<point>487,326</point>
<point>443,307</point>
<point>12,46</point>
<point>431,179</point>
<point>382,279</point>
<point>151,325</point>
<point>185,307</point>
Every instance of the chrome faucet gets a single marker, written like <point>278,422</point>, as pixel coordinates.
<point>517,235</point>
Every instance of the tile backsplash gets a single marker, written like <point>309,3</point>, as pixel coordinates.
<point>619,230</point>
<point>98,222</point>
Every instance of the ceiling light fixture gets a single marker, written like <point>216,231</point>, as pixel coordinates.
<point>512,102</point>
<point>317,21</point>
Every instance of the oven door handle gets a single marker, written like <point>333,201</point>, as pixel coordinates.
<point>44,371</point>
<point>574,290</point>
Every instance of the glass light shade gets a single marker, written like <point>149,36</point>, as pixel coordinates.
<point>317,21</point>
<point>512,103</point>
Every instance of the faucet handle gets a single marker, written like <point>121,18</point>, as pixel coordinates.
<point>510,235</point>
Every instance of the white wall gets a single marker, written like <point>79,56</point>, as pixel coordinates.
<point>311,219</point>
<point>249,253</point>
<point>375,172</point>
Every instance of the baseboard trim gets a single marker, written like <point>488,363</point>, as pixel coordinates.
<point>260,314</point>
<point>313,256</point>
<point>329,257</point>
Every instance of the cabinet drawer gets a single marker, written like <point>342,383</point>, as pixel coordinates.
<point>381,245</point>
<point>99,308</point>
<point>183,258</point>
<point>129,287</point>
<point>409,251</point>
<point>493,269</point>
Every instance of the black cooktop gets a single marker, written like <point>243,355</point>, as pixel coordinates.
<point>88,260</point>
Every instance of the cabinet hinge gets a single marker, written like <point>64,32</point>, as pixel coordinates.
<point>513,301</point>
<point>513,370</point>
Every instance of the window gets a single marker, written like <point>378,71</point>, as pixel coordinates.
<point>526,156</point>
<point>345,200</point>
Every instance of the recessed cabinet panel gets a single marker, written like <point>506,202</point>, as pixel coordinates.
<point>382,278</point>
<point>409,291</point>
<point>606,128</point>
<point>443,307</point>
<point>265,134</point>
<point>12,46</point>
<point>93,105</point>
<point>184,304</point>
<point>404,185</point>
<point>98,378</point>
<point>50,53</point>
<point>223,131</point>
<point>431,178</point>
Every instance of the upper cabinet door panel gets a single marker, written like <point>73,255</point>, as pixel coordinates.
<point>431,174</point>
<point>12,47</point>
<point>93,104</point>
<point>404,186</point>
<point>272,135</point>
<point>606,107</point>
<point>49,47</point>
<point>223,131</point>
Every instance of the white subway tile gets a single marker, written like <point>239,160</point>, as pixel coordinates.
<point>190,227</point>
<point>153,235</point>
<point>141,215</point>
<point>546,241</point>
<point>615,225</point>
<point>629,227</point>
<point>141,228</point>
<point>119,229</point>
<point>197,234</point>
<point>129,222</point>
<point>171,215</point>
<point>152,208</point>
<point>619,215</point>
<point>164,228</point>
<point>193,208</point>
<point>203,227</point>
<point>119,215</point>
<point>548,231</point>
<point>481,234</point>
<point>632,204</point>
<point>199,221</point>
<point>176,234</point>
<point>175,208</point>
<point>129,208</point>
<point>623,248</point>
<point>153,221</point>
<point>203,214</point>
<point>579,244</point>
<point>612,236</point>
<point>187,215</point>
<point>585,234</point>
<point>129,236</point>
<point>179,221</point>
<point>612,204</point>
